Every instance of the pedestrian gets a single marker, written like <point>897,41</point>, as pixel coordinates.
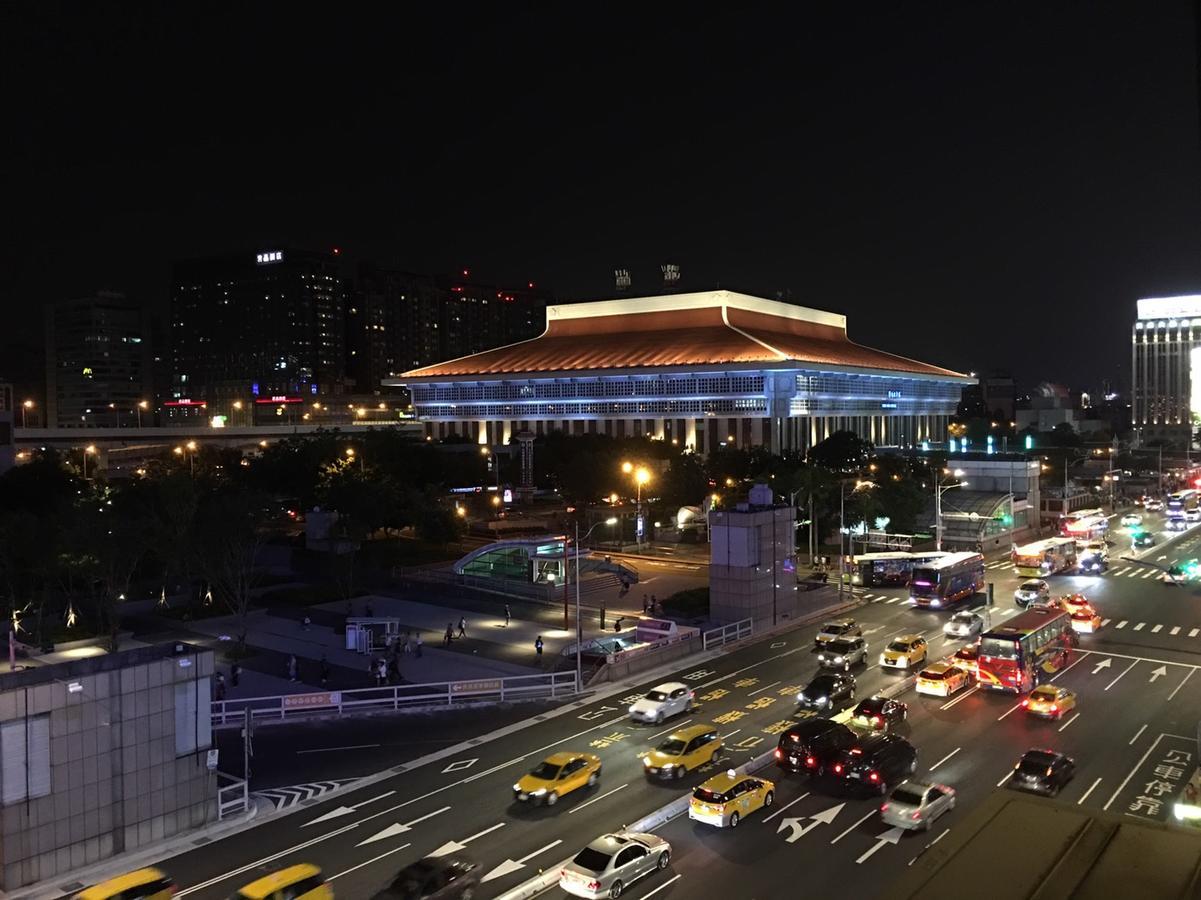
<point>646,604</point>
<point>617,624</point>
<point>508,615</point>
<point>324,670</point>
<point>450,635</point>
<point>404,648</point>
<point>418,646</point>
<point>219,690</point>
<point>655,607</point>
<point>462,627</point>
<point>393,671</point>
<point>235,675</point>
<point>538,648</point>
<point>292,668</point>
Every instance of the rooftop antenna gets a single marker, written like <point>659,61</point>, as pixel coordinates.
<point>622,277</point>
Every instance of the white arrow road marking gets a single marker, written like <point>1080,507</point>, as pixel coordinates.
<point>398,828</point>
<point>785,806</point>
<point>824,817</point>
<point>1103,664</point>
<point>512,865</point>
<point>889,837</point>
<point>873,630</point>
<point>345,810</point>
<point>1159,673</point>
<point>455,846</point>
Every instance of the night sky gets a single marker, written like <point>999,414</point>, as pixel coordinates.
<point>978,187</point>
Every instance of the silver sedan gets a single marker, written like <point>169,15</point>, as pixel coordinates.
<point>916,804</point>
<point>613,862</point>
<point>963,625</point>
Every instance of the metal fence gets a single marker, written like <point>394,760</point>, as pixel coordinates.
<point>233,795</point>
<point>727,634</point>
<point>229,713</point>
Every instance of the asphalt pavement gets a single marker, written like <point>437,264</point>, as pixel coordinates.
<point>1139,704</point>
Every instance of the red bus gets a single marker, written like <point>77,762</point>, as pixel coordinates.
<point>1025,651</point>
<point>1084,524</point>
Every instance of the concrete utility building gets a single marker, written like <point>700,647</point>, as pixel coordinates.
<point>701,370</point>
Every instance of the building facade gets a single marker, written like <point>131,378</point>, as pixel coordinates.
<point>99,362</point>
<point>1166,348</point>
<point>256,327</point>
<point>702,370</point>
<point>103,755</point>
<point>400,320</point>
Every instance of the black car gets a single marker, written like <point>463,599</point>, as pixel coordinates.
<point>828,690</point>
<point>843,653</point>
<point>1042,771</point>
<point>880,713</point>
<point>878,762</point>
<point>807,746</point>
<point>433,877</point>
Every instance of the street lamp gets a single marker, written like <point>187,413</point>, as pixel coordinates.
<point>28,404</point>
<point>641,475</point>
<point>90,448</point>
<point>939,490</point>
<point>579,631</point>
<point>350,454</point>
<point>842,526</point>
<point>143,405</point>
<point>190,447</point>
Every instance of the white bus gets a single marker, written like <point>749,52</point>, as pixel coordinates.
<point>953,577</point>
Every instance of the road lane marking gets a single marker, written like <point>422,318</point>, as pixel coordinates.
<point>945,758</point>
<point>1150,659</point>
<point>1175,630</point>
<point>1119,678</point>
<point>1193,632</point>
<point>1179,686</point>
<point>369,862</point>
<point>667,883</point>
<point>785,806</point>
<point>1130,743</point>
<point>1122,571</point>
<point>1130,774</point>
<point>755,665</point>
<point>853,827</point>
<point>963,696</point>
<point>673,728</point>
<point>1011,709</point>
<point>1069,721</point>
<point>1123,623</point>
<point>764,688</point>
<point>1008,775</point>
<point>1156,629</point>
<point>525,859</point>
<point>336,749</point>
<point>731,734</point>
<point>1091,789</point>
<point>892,600</point>
<point>576,809</point>
<point>1105,622</point>
<point>1140,626</point>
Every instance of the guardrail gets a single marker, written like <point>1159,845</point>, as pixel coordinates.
<point>395,697</point>
<point>233,797</point>
<point>617,656</point>
<point>727,634</point>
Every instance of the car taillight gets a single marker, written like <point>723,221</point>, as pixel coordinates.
<point>873,776</point>
<point>917,814</point>
<point>877,719</point>
<point>594,885</point>
<point>1054,707</point>
<point>779,753</point>
<point>810,761</point>
<point>884,807</point>
<point>837,768</point>
<point>1025,703</point>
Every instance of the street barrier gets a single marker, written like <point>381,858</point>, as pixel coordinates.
<point>727,634</point>
<point>231,713</point>
<point>233,796</point>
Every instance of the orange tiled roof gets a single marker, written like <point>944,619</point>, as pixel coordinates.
<point>706,335</point>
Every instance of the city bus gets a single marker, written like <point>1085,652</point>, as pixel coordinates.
<point>1045,557</point>
<point>946,580</point>
<point>1084,524</point>
<point>1025,651</point>
<point>892,567</point>
<point>1182,501</point>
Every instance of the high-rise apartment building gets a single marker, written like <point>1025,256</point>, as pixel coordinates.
<point>1166,368</point>
<point>98,361</point>
<point>256,327</point>
<point>399,320</point>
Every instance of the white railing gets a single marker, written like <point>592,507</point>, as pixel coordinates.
<point>233,797</point>
<point>727,634</point>
<point>228,713</point>
<point>617,656</point>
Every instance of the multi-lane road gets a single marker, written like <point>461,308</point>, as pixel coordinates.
<point>1139,703</point>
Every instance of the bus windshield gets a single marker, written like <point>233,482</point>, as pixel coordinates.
<point>923,577</point>
<point>999,648</point>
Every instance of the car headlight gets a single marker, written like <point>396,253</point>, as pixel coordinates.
<point>517,788</point>
<point>669,766</point>
<point>936,602</point>
<point>633,710</point>
<point>821,700</point>
<point>800,698</point>
<point>838,659</point>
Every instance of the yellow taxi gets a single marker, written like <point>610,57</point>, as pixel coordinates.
<point>904,652</point>
<point>965,658</point>
<point>300,882</point>
<point>942,679</point>
<point>725,799</point>
<point>1086,621</point>
<point>1049,701</point>
<point>145,884</point>
<point>682,751</point>
<point>558,774</point>
<point>1073,602</point>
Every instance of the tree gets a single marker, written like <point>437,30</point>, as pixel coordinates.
<point>843,451</point>
<point>684,483</point>
<point>439,524</point>
<point>116,533</point>
<point>228,538</point>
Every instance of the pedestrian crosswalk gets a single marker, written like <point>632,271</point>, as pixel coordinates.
<point>1143,572</point>
<point>999,564</point>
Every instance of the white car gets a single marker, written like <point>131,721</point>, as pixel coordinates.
<point>1193,515</point>
<point>916,804</point>
<point>963,625</point>
<point>662,702</point>
<point>1032,592</point>
<point>613,862</point>
<point>1131,519</point>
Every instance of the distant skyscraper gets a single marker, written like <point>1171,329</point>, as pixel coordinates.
<point>1166,368</point>
<point>256,327</point>
<point>399,320</point>
<point>98,361</point>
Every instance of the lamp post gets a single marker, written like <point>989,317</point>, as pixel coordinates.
<point>641,475</point>
<point>842,527</point>
<point>142,405</point>
<point>90,448</point>
<point>190,448</point>
<point>350,455</point>
<point>939,490</point>
<point>28,404</point>
<point>579,631</point>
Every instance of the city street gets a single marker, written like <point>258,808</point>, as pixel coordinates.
<point>1135,706</point>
